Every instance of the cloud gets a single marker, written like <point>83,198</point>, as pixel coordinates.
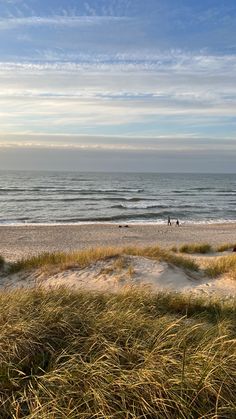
<point>173,61</point>
<point>175,86</point>
<point>203,161</point>
<point>162,143</point>
<point>124,94</point>
<point>57,20</point>
<point>95,75</point>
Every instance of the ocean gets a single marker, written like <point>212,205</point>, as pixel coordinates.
<point>73,197</point>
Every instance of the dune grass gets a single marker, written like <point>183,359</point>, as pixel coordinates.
<point>65,260</point>
<point>77,354</point>
<point>226,246</point>
<point>56,262</point>
<point>157,253</point>
<point>195,248</point>
<point>202,248</point>
<point>134,355</point>
<point>222,265</point>
<point>84,258</point>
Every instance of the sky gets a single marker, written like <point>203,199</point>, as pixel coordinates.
<point>118,85</point>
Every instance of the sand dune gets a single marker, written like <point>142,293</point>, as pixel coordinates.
<point>118,274</point>
<point>24,241</point>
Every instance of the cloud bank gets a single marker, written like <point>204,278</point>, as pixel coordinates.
<point>118,76</point>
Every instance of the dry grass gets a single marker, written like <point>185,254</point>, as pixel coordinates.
<point>195,248</point>
<point>157,253</point>
<point>135,355</point>
<point>63,260</point>
<point>222,265</point>
<point>119,266</point>
<point>84,258</point>
<point>51,262</point>
<point>131,271</point>
<point>226,246</point>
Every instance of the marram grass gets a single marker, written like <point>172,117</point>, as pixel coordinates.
<point>134,355</point>
<point>226,246</point>
<point>222,265</point>
<point>202,248</point>
<point>64,260</point>
<point>195,248</point>
<point>84,258</point>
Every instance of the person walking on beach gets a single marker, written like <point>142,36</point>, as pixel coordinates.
<point>177,223</point>
<point>169,222</point>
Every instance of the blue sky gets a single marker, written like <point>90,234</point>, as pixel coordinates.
<point>118,84</point>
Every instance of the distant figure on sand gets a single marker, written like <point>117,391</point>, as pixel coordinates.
<point>177,223</point>
<point>169,222</point>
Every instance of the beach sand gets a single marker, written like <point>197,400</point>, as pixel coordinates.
<point>22,241</point>
<point>136,272</point>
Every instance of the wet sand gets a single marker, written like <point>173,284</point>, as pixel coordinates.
<point>21,241</point>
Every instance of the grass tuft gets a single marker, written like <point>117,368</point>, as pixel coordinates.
<point>67,354</point>
<point>226,246</point>
<point>157,253</point>
<point>195,248</point>
<point>222,265</point>
<point>86,257</point>
<point>63,260</point>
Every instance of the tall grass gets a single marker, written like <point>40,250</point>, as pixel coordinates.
<point>226,246</point>
<point>64,260</point>
<point>196,248</point>
<point>85,257</point>
<point>73,355</point>
<point>222,265</point>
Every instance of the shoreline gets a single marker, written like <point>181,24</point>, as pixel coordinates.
<point>22,241</point>
<point>117,223</point>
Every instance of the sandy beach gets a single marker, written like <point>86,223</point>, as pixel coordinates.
<point>21,241</point>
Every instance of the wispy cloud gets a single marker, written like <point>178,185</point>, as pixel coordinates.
<point>177,61</point>
<point>71,21</point>
<point>124,90</point>
<point>117,69</point>
<point>188,142</point>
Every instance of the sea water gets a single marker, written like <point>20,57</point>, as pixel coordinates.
<point>73,197</point>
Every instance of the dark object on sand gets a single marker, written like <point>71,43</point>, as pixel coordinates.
<point>169,222</point>
<point>177,223</point>
<point>125,226</point>
<point>234,249</point>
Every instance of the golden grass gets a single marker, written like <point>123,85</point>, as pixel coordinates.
<point>195,248</point>
<point>120,266</point>
<point>157,253</point>
<point>51,262</point>
<point>226,246</point>
<point>222,265</point>
<point>64,260</point>
<point>120,263</point>
<point>134,355</point>
<point>86,257</point>
<point>131,271</point>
